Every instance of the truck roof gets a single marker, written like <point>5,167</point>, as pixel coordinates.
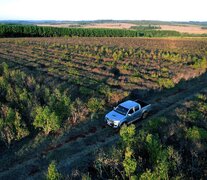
<point>129,104</point>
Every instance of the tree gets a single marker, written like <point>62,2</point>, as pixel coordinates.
<point>127,134</point>
<point>11,125</point>
<point>46,119</point>
<point>129,162</point>
<point>94,105</point>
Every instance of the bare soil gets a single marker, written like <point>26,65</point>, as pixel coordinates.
<point>185,29</point>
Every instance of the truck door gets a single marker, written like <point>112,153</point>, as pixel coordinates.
<point>137,113</point>
<point>130,115</point>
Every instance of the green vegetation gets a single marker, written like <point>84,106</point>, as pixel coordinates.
<point>50,88</point>
<point>146,27</point>
<point>46,120</point>
<point>53,173</point>
<point>196,133</point>
<point>25,103</point>
<point>162,149</point>
<point>36,31</point>
<point>165,83</point>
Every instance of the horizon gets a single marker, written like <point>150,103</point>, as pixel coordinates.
<point>88,20</point>
<point>63,10</point>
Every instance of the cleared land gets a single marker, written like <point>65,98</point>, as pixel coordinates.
<point>165,72</point>
<point>185,29</point>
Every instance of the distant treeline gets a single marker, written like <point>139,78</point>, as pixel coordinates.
<point>40,31</point>
<point>146,27</point>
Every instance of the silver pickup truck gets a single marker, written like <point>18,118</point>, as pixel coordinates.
<point>127,112</point>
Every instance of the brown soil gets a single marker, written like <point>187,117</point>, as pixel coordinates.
<point>185,29</point>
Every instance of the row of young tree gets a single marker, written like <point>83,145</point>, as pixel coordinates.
<point>37,31</point>
<point>28,105</point>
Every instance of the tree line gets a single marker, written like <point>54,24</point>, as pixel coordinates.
<point>37,31</point>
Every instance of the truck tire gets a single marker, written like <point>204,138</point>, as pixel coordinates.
<point>144,115</point>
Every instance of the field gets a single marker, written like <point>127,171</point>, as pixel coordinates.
<point>185,28</point>
<point>90,76</point>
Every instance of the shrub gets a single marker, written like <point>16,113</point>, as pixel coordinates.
<point>156,151</point>
<point>155,123</point>
<point>60,104</point>
<point>129,162</point>
<point>11,125</point>
<point>201,97</point>
<point>86,177</point>
<point>46,120</point>
<point>78,111</point>
<point>52,173</point>
<point>160,172</point>
<point>148,175</point>
<point>166,83</point>
<point>175,159</point>
<point>202,107</point>
<point>95,105</point>
<point>127,134</point>
<point>200,63</point>
<point>3,68</point>
<point>196,133</point>
<point>194,115</point>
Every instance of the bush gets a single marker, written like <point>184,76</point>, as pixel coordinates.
<point>129,162</point>
<point>46,120</point>
<point>156,152</point>
<point>200,64</point>
<point>196,133</point>
<point>95,105</point>
<point>52,173</point>
<point>194,115</point>
<point>155,123</point>
<point>11,125</point>
<point>166,83</point>
<point>127,134</point>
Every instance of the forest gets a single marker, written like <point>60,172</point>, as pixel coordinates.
<point>7,30</point>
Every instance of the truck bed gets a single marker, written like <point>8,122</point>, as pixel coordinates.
<point>142,104</point>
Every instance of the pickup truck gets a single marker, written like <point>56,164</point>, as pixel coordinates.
<point>127,112</point>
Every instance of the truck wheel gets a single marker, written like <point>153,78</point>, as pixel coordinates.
<point>144,115</point>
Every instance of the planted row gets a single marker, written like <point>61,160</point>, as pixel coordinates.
<point>28,103</point>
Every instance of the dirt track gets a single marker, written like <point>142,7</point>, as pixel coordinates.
<point>78,151</point>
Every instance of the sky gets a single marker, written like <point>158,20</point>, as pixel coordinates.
<point>164,10</point>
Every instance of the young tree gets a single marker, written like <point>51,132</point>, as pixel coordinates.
<point>127,134</point>
<point>94,105</point>
<point>129,162</point>
<point>52,172</point>
<point>11,125</point>
<point>46,120</point>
